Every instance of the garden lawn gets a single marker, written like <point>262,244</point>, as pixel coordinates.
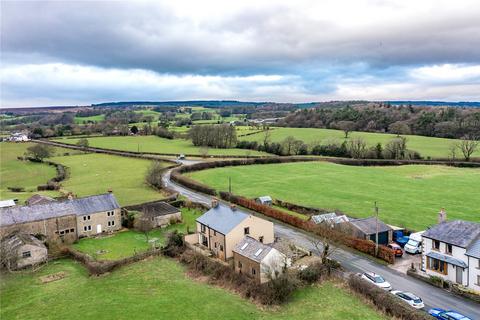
<point>409,196</point>
<point>157,288</point>
<point>26,174</point>
<point>158,145</point>
<point>426,146</point>
<point>127,243</point>
<point>97,173</point>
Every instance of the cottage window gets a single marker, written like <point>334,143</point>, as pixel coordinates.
<point>221,248</point>
<point>26,254</point>
<point>72,230</point>
<point>113,223</point>
<point>437,265</point>
<point>240,264</point>
<point>62,232</point>
<point>109,223</point>
<point>87,228</point>
<point>436,245</point>
<point>215,245</point>
<point>254,271</point>
<point>246,230</point>
<point>110,213</point>
<point>260,239</point>
<point>448,248</point>
<point>478,280</point>
<point>67,231</point>
<point>214,232</point>
<point>202,228</point>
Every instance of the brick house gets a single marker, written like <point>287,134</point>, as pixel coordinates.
<point>222,227</point>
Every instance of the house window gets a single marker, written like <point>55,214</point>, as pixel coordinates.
<point>478,280</point>
<point>221,248</point>
<point>436,245</point>
<point>254,271</point>
<point>67,231</point>
<point>246,230</point>
<point>108,223</point>
<point>26,254</point>
<point>448,248</point>
<point>202,228</point>
<point>87,228</point>
<point>110,213</point>
<point>72,230</point>
<point>62,232</point>
<point>113,223</point>
<point>85,218</point>
<point>260,239</point>
<point>214,232</point>
<point>240,264</point>
<point>215,245</point>
<point>437,265</point>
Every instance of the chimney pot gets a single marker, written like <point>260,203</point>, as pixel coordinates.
<point>214,202</point>
<point>442,215</point>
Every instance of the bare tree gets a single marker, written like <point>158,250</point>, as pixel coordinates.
<point>287,144</point>
<point>144,225</point>
<point>396,148</point>
<point>346,126</point>
<point>452,151</point>
<point>357,148</point>
<point>266,137</point>
<point>468,145</point>
<point>323,242</point>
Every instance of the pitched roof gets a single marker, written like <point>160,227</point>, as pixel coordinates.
<point>457,232</point>
<point>222,218</point>
<point>265,198</point>
<point>21,239</point>
<point>448,259</point>
<point>79,207</point>
<point>368,225</point>
<point>159,209</point>
<point>330,218</point>
<point>474,249</point>
<point>7,203</point>
<point>252,249</point>
<point>38,199</point>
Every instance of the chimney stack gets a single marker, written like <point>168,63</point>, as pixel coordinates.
<point>214,202</point>
<point>233,207</point>
<point>109,190</point>
<point>442,215</point>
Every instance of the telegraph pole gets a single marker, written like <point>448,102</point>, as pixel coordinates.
<point>376,229</point>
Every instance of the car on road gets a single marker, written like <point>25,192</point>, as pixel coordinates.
<point>414,244</point>
<point>409,298</point>
<point>447,314</point>
<point>377,280</point>
<point>396,248</point>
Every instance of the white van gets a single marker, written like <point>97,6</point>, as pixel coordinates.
<point>414,244</point>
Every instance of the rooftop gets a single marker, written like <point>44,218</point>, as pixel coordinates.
<point>21,239</point>
<point>7,203</point>
<point>79,207</point>
<point>457,232</point>
<point>252,249</point>
<point>368,225</point>
<point>474,249</point>
<point>222,218</point>
<point>448,259</point>
<point>38,199</point>
<point>159,209</point>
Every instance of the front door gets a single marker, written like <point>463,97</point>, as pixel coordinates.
<point>99,228</point>
<point>459,275</point>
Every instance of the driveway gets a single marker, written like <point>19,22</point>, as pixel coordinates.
<point>354,262</point>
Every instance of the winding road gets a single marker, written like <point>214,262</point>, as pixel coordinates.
<point>354,262</point>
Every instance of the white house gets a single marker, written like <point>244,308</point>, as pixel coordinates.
<point>451,250</point>
<point>18,137</point>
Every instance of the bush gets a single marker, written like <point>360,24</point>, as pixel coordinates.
<point>16,189</point>
<point>164,133</point>
<point>175,245</point>
<point>154,175</point>
<point>313,273</point>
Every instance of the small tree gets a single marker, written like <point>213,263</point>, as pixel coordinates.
<point>346,126</point>
<point>39,151</point>
<point>154,174</point>
<point>144,225</point>
<point>134,129</point>
<point>468,145</point>
<point>266,137</point>
<point>357,147</point>
<point>83,142</point>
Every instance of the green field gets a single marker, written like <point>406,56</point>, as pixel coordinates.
<point>26,174</point>
<point>409,196</point>
<point>157,288</point>
<point>82,120</point>
<point>427,146</point>
<point>158,145</point>
<point>127,243</point>
<point>96,173</point>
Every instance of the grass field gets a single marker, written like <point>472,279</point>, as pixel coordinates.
<point>427,146</point>
<point>157,288</point>
<point>156,144</point>
<point>96,173</point>
<point>26,174</point>
<point>408,196</point>
<point>127,243</point>
<point>97,118</point>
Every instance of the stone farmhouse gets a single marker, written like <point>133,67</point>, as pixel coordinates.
<point>68,220</point>
<point>222,227</point>
<point>451,251</point>
<point>23,250</point>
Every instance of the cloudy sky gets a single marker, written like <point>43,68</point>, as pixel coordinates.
<point>82,52</point>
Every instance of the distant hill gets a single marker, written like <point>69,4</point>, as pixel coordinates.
<point>473,104</point>
<point>194,103</point>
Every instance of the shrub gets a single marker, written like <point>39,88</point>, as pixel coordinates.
<point>16,189</point>
<point>154,175</point>
<point>312,273</point>
<point>175,244</point>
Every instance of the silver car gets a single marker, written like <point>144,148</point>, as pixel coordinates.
<point>409,298</point>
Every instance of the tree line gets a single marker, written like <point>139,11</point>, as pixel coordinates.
<point>215,136</point>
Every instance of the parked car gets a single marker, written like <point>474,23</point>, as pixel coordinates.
<point>396,248</point>
<point>399,238</point>
<point>414,244</point>
<point>181,157</point>
<point>376,280</point>
<point>447,314</point>
<point>409,298</point>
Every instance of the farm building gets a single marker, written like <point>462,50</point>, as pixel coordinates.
<point>258,260</point>
<point>222,227</point>
<point>23,250</point>
<point>7,203</point>
<point>266,200</point>
<point>329,218</point>
<point>161,213</point>
<point>69,219</point>
<point>366,228</point>
<point>38,199</point>
<point>18,137</point>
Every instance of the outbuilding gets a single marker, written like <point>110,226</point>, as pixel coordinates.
<point>161,214</point>
<point>265,200</point>
<point>366,228</point>
<point>22,250</point>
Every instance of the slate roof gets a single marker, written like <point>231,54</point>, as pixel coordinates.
<point>448,259</point>
<point>222,218</point>
<point>368,225</point>
<point>457,232</point>
<point>38,199</point>
<point>250,247</point>
<point>7,203</point>
<point>79,207</point>
<point>474,249</point>
<point>330,218</point>
<point>159,209</point>
<point>265,199</point>
<point>21,239</point>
